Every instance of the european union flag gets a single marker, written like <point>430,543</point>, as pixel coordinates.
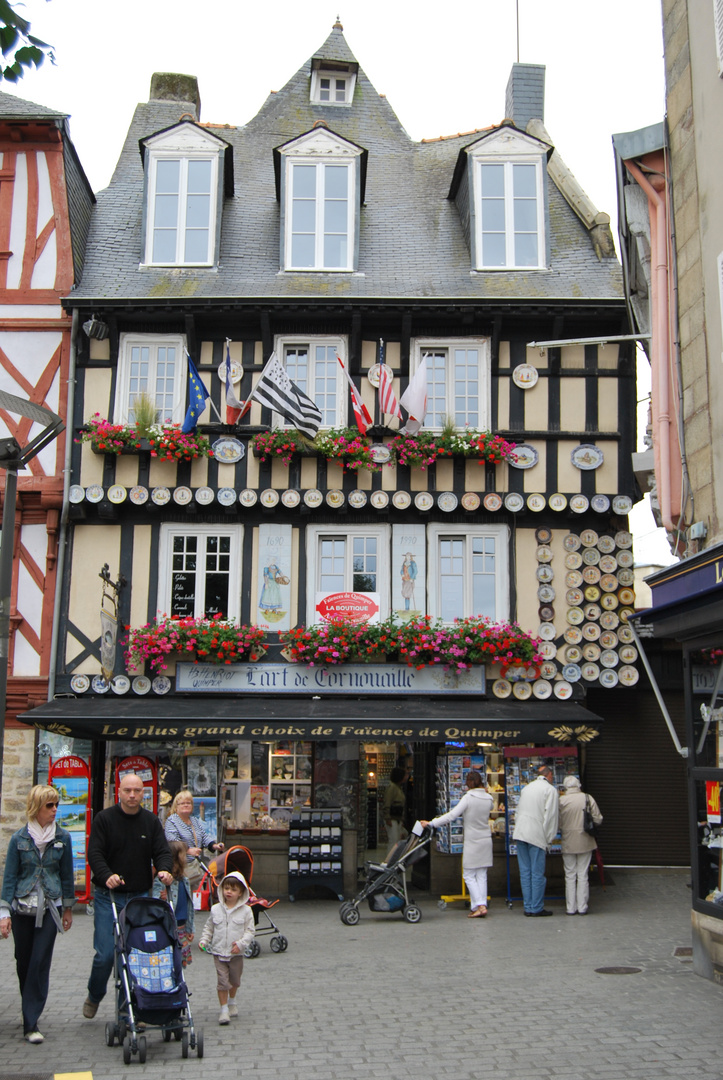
<point>197,393</point>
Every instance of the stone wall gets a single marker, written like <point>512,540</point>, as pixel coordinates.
<point>18,767</point>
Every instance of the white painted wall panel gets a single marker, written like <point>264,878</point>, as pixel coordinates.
<point>18,222</point>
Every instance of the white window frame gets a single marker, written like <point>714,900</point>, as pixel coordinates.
<point>508,174</point>
<point>421,346</point>
<point>339,344</point>
<point>319,74</point>
<point>184,157</point>
<point>500,534</point>
<point>165,564</point>
<point>383,535</point>
<point>718,30</point>
<point>319,164</point>
<point>127,342</point>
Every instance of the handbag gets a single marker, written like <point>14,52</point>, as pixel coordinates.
<point>588,823</point>
<point>27,905</point>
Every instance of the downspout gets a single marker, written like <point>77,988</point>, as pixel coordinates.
<point>660,341</point>
<point>66,506</point>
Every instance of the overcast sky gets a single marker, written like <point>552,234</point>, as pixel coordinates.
<point>444,70</point>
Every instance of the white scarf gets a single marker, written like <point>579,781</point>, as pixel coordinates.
<point>41,836</point>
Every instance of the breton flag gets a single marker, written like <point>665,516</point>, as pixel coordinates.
<point>414,399</point>
<point>276,391</point>
<point>198,395</point>
<point>361,413</point>
<point>387,398</point>
<point>233,405</point>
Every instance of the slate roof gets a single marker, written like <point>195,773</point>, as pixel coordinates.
<point>412,244</point>
<point>12,107</point>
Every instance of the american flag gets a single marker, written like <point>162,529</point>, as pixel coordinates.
<point>361,413</point>
<point>276,391</point>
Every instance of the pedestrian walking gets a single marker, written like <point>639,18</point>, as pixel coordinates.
<point>178,894</point>
<point>577,845</point>
<point>228,931</point>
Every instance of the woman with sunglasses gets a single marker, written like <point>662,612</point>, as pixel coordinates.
<point>37,899</point>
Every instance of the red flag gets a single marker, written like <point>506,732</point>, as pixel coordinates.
<point>387,398</point>
<point>233,405</point>
<point>361,413</point>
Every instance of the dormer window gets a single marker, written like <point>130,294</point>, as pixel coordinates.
<point>332,86</point>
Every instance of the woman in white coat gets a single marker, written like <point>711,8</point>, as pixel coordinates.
<point>474,808</point>
<point>577,845</point>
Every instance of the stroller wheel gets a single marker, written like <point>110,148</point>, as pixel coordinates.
<point>184,1044</point>
<point>166,1035</point>
<point>121,1032</point>
<point>127,1050</point>
<point>412,913</point>
<point>350,917</point>
<point>109,1034</point>
<point>199,1043</point>
<point>278,944</point>
<point>177,1033</point>
<point>252,950</point>
<point>142,1049</point>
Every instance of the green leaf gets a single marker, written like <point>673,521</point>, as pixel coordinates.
<point>8,37</point>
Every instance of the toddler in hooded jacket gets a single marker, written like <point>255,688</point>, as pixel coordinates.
<point>229,930</point>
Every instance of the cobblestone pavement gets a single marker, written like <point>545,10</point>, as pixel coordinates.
<point>504,997</point>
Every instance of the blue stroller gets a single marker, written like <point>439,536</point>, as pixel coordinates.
<point>152,992</point>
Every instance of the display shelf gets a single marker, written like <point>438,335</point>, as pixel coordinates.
<point>290,773</point>
<point>315,851</point>
<point>451,778</point>
<point>521,765</point>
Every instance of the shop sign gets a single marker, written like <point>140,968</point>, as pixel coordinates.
<point>336,679</point>
<point>354,607</point>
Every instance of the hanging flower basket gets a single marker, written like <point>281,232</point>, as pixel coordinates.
<point>107,438</point>
<point>207,641</point>
<point>424,448</point>
<point>171,444</point>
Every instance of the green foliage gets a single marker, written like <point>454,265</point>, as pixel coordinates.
<point>21,50</point>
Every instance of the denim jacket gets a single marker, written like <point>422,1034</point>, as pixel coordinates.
<point>24,868</point>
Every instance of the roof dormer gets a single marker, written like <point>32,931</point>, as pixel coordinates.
<point>333,71</point>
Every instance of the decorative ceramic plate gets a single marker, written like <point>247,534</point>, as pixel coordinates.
<point>626,577</point>
<point>94,493</point>
<point>524,456</point>
<point>335,498</point>
<point>546,594</point>
<point>501,688</point>
<point>562,690</point>
<point>592,612</point>
<point>588,538</point>
<point>548,650</point>
<point>546,612</point>
<point>205,496</point>
<point>514,502</point>
<point>160,496</point>
<point>182,496</point>
<point>609,601</point>
<point>423,500</point>
<point>380,499</point>
<point>228,451</point>
<point>161,684</point>
<point>592,594</point>
<point>591,575</point>
<point>625,558</point>
<point>249,497</point>
<point>544,573</point>
<point>573,654</point>
<point>557,502</point>
<point>76,494</point>
<point>138,495</point>
<point>269,497</point>
<point>547,631</point>
<point>622,504</point>
<point>625,634</point>
<point>609,678</point>
<point>629,675</point>
<point>608,640</point>
<point>522,691</point>
<point>609,620</point>
<point>575,616</point>
<point>573,560</point>
<point>571,542</point>
<point>591,556</point>
<point>579,503</point>
<point>543,535</point>
<point>536,503</point>
<point>573,635</point>
<point>447,501</point>
<point>79,684</point>
<point>574,597</point>
<point>606,544</point>
<point>573,579</point>
<point>548,670</point>
<point>374,374</point>
<point>608,564</point>
<point>586,456</point>
<point>625,613</point>
<point>544,554</point>
<point>590,631</point>
<point>525,376</point>
<point>227,496</point>
<point>608,583</point>
<point>401,499</point>
<point>571,672</point>
<point>357,499</point>
<point>237,371</point>
<point>542,689</point>
<point>120,684</point>
<point>609,658</point>
<point>141,684</point>
<point>380,453</point>
<point>100,684</point>
<point>492,501</point>
<point>624,539</point>
<point>591,651</point>
<point>626,597</point>
<point>628,653</point>
<point>590,671</point>
<point>470,500</point>
<point>600,504</point>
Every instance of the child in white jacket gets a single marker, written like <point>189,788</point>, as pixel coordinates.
<point>228,931</point>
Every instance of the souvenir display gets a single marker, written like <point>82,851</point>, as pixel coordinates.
<point>592,612</point>
<point>609,658</point>
<point>608,639</point>
<point>160,496</point>
<point>591,575</point>
<point>546,612</point>
<point>548,670</point>
<point>470,500</point>
<point>609,601</point>
<point>628,675</point>
<point>401,499</point>
<point>248,497</point>
<point>625,613</point>
<point>625,634</point>
<point>182,496</point>
<point>226,496</point>
<point>100,684</point>
<point>590,671</point>
<point>562,690</point>
<point>380,499</point>
<point>571,672</point>
<point>622,504</point>
<point>514,502</point>
<point>380,453</point>
<point>571,542</point>
<point>447,501</point>
<point>542,689</point>
<point>547,631</point>
<point>543,535</point>
<point>608,678</point>
<point>544,573</point>
<point>625,559</point>
<point>624,539</point>
<point>289,498</point>
<point>117,494</point>
<point>574,597</point>
<point>591,651</point>
<point>536,503</point>
<point>544,554</point>
<point>335,498</point>
<point>79,684</point>
<point>573,579</point>
<point>608,583</point>
<point>575,616</point>
<point>423,500</point>
<point>76,493</point>
<point>586,456</point>
<point>492,501</point>
<point>573,654</point>
<point>161,684</point>
<point>205,496</point>
<point>608,564</point>
<point>626,597</point>
<point>374,374</point>
<point>592,594</point>
<point>590,631</point>
<point>228,451</point>
<point>357,499</point>
<point>588,538</point>
<point>524,457</point>
<point>628,654</point>
<point>94,493</point>
<point>606,544</point>
<point>138,495</point>
<point>120,684</point>
<point>573,561</point>
<point>547,650</point>
<point>626,576</point>
<point>141,684</point>
<point>546,593</point>
<point>573,635</point>
<point>269,497</point>
<point>609,620</point>
<point>237,372</point>
<point>579,503</point>
<point>591,556</point>
<point>313,498</point>
<point>522,691</point>
<point>557,502</point>
<point>600,504</point>
<point>525,376</point>
<point>501,688</point>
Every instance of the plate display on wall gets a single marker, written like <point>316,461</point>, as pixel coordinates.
<point>573,635</point>
<point>629,675</point>
<point>94,493</point>
<point>313,497</point>
<point>591,575</point>
<point>522,691</point>
<point>182,496</point>
<point>141,684</point>
<point>401,499</point>
<point>544,573</point>
<point>161,684</point>
<point>447,501</point>
<point>609,620</point>
<point>548,650</point>
<point>547,631</point>
<point>586,456</point>
<point>609,601</point>
<point>626,576</point>
<point>606,544</point>
<point>79,684</point>
<point>543,535</point>
<point>573,579</point>
<point>290,498</point>
<point>591,556</point>
<point>120,684</point>
<point>590,631</point>
<point>590,671</point>
<point>608,640</point>
<point>205,496</point>
<point>492,501</point>
<point>548,670</point>
<point>380,453</point>
<point>546,593</point>
<point>579,503</point>
<point>542,689</point>
<point>608,583</point>
<point>524,456</point>
<point>380,499</point>
<point>573,655</point>
<point>625,558</point>
<point>600,504</point>
<point>571,672</point>
<point>592,594</point>
<point>624,539</point>
<point>237,371</point>
<point>591,651</point>
<point>544,554</point>
<point>228,451</point>
<point>249,497</point>
<point>609,678</point>
<point>374,374</point>
<point>227,496</point>
<point>357,499</point>
<point>514,502</point>
<point>536,503</point>
<point>574,597</point>
<point>563,690</point>
<point>423,500</point>
<point>557,502</point>
<point>100,684</point>
<point>138,495</point>
<point>525,376</point>
<point>588,538</point>
<point>335,498</point>
<point>608,564</point>
<point>625,634</point>
<point>592,612</point>
<point>470,500</point>
<point>573,560</point>
<point>546,612</point>
<point>622,504</point>
<point>501,688</point>
<point>76,494</point>
<point>161,496</point>
<point>628,653</point>
<point>625,613</point>
<point>575,616</point>
<point>609,658</point>
<point>626,597</point>
<point>571,542</point>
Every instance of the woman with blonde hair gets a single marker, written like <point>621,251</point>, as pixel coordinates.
<point>191,831</point>
<point>38,894</point>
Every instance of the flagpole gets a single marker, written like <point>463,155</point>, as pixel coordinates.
<point>247,403</point>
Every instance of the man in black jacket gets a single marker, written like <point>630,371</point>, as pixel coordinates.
<point>126,842</point>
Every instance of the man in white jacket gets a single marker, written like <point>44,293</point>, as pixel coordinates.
<point>535,829</point>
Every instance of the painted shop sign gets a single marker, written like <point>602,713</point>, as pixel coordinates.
<point>355,607</point>
<point>338,679</point>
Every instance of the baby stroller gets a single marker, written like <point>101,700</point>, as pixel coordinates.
<point>240,858</point>
<point>386,883</point>
<point>152,992</point>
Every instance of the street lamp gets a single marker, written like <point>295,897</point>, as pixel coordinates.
<point>12,458</point>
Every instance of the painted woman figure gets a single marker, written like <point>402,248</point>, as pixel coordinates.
<point>271,593</point>
<point>409,576</point>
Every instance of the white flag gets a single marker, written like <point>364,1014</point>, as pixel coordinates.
<point>414,399</point>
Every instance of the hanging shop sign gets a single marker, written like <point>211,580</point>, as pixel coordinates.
<point>336,679</point>
<point>355,607</point>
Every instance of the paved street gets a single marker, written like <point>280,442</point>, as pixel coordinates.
<point>505,997</point>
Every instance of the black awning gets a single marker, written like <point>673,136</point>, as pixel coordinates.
<point>684,620</point>
<point>426,719</point>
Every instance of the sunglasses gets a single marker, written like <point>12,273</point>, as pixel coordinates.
<point>51,806</point>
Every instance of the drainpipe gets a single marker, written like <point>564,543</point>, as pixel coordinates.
<point>62,538</point>
<point>660,341</point>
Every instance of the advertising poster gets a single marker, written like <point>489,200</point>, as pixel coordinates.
<point>274,587</point>
<point>71,777</point>
<point>409,565</point>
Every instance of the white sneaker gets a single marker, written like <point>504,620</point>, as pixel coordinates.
<point>232,1008</point>
<point>34,1037</point>
<point>223,1016</point>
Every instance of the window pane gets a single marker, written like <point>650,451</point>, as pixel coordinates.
<point>304,216</point>
<point>466,386</point>
<point>335,248</point>
<point>493,249</point>
<point>364,564</point>
<point>336,181</point>
<point>166,215</point>
<point>493,180</point>
<point>341,89</point>
<point>335,215</point>
<point>326,371</point>
<point>302,250</point>
<point>304,181</point>
<point>526,215</point>
<point>168,175</point>
<point>493,215</point>
<point>526,249</point>
<point>524,180</point>
<point>198,208</point>
<point>332,552</point>
<point>164,245</point>
<point>483,576</point>
<point>324,89</point>
<point>436,388</point>
<point>297,367</point>
<point>196,246</point>
<point>451,578</point>
<point>199,176</point>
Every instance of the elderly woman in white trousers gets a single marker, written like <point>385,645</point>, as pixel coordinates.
<point>474,808</point>
<point>577,845</point>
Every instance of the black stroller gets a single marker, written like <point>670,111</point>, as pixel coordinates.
<point>152,992</point>
<point>386,883</point>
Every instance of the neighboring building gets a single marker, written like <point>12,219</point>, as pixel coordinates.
<point>671,188</point>
<point>316,231</point>
<point>45,209</point>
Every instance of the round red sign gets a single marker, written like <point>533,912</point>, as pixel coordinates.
<point>353,607</point>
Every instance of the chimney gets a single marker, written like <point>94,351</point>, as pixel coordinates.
<point>168,86</point>
<point>525,94</point>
